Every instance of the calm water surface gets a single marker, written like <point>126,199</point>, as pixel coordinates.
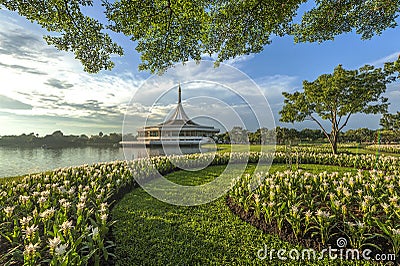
<point>17,161</point>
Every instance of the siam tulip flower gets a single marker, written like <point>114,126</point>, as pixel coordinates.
<point>364,206</point>
<point>42,200</point>
<point>66,204</point>
<point>294,210</point>
<point>308,187</point>
<point>61,249</point>
<point>25,221</point>
<point>256,199</point>
<point>337,204</point>
<point>346,192</point>
<point>30,231</point>
<point>71,191</point>
<point>360,224</point>
<point>62,189</point>
<point>53,243</point>
<point>368,199</point>
<point>30,249</point>
<point>351,224</point>
<point>390,188</point>
<point>80,206</point>
<point>47,214</point>
<point>9,210</point>
<point>45,193</point>
<point>35,213</point>
<point>385,207</point>
<point>103,217</point>
<point>322,214</point>
<point>66,226</point>
<point>393,200</point>
<point>23,199</point>
<point>95,232</point>
<point>272,196</point>
<point>308,215</point>
<point>396,231</point>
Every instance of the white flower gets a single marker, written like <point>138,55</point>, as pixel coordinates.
<point>323,214</point>
<point>308,215</point>
<point>66,204</point>
<point>95,232</point>
<point>42,199</point>
<point>103,217</point>
<point>25,220</point>
<point>29,231</point>
<point>360,224</point>
<point>66,226</point>
<point>47,213</point>
<point>30,249</point>
<point>80,206</point>
<point>9,210</point>
<point>385,206</point>
<point>294,209</point>
<point>61,249</point>
<point>23,199</point>
<point>53,243</point>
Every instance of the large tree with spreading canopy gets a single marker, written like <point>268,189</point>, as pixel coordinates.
<point>336,97</point>
<point>169,31</point>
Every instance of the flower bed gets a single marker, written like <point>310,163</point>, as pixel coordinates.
<point>385,148</point>
<point>363,207</point>
<point>61,217</point>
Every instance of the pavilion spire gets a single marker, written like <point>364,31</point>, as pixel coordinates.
<point>179,94</point>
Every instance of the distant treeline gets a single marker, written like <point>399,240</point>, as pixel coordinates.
<point>290,135</point>
<point>238,135</point>
<point>59,140</point>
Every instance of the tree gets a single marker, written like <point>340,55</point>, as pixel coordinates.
<point>391,121</point>
<point>336,97</point>
<point>169,31</point>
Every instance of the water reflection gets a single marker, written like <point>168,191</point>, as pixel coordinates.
<point>19,161</point>
<point>132,153</point>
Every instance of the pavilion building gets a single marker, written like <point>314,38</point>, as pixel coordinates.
<point>177,129</point>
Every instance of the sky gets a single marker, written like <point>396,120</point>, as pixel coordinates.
<point>44,90</point>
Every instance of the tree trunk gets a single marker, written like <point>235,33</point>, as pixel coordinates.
<point>334,141</point>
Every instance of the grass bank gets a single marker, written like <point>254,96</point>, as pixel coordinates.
<point>150,232</point>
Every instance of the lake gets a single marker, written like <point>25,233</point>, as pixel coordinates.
<point>18,161</point>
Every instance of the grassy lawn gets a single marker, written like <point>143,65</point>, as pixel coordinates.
<point>151,232</point>
<point>257,148</point>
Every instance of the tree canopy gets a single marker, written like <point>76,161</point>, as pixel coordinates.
<point>169,31</point>
<point>391,121</point>
<point>336,97</point>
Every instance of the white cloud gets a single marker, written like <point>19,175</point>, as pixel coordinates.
<point>52,81</point>
<point>389,58</point>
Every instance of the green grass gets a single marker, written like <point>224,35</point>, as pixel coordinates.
<point>257,148</point>
<point>151,232</point>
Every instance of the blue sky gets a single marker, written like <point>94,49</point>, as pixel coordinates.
<point>44,90</point>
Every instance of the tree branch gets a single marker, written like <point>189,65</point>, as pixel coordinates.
<point>323,129</point>
<point>345,122</point>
